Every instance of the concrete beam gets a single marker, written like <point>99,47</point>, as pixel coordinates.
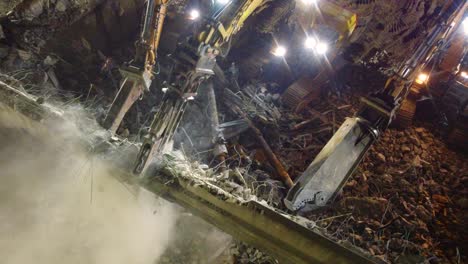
<point>290,239</point>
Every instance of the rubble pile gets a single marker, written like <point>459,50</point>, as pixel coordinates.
<point>34,22</point>
<point>302,135</point>
<point>405,203</point>
<point>243,253</point>
<point>407,200</point>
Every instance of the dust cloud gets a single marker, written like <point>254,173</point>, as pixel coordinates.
<point>59,203</point>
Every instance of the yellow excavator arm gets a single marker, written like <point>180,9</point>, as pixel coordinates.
<point>216,31</point>
<point>138,74</point>
<point>233,24</point>
<point>152,26</point>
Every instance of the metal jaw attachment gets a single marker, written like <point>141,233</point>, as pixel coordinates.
<point>207,60</point>
<point>333,166</point>
<point>327,174</point>
<point>137,76</point>
<point>135,81</point>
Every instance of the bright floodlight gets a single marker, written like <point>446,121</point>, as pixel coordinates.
<point>310,43</point>
<point>321,48</point>
<point>223,2</point>
<point>194,14</point>
<point>465,25</point>
<point>422,78</point>
<point>280,51</point>
<point>464,74</point>
<point>308,2</point>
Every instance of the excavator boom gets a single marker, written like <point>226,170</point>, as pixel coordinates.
<point>138,74</point>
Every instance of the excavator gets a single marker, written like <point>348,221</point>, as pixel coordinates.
<point>443,80</point>
<point>324,178</point>
<point>288,237</point>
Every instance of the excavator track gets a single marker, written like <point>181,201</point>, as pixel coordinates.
<point>405,114</point>
<point>458,137</point>
<point>455,103</point>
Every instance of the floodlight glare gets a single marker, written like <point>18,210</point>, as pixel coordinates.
<point>194,14</point>
<point>279,51</point>
<point>308,2</point>
<point>310,43</point>
<point>422,78</point>
<point>321,48</point>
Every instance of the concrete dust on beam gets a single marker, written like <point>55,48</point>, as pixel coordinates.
<point>291,239</point>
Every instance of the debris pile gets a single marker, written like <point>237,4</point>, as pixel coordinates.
<point>302,135</point>
<point>407,201</point>
<point>34,22</point>
<point>178,179</point>
<point>245,254</point>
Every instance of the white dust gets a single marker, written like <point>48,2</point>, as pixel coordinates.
<point>59,204</point>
